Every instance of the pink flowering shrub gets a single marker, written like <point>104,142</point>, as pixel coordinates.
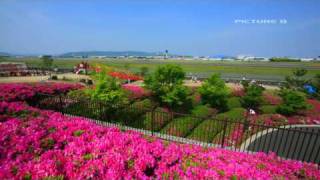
<point>135,91</point>
<point>51,145</point>
<point>237,91</point>
<point>271,99</point>
<point>24,91</point>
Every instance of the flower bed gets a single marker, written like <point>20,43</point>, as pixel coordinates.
<point>125,76</point>
<point>37,144</point>
<point>136,92</point>
<point>25,91</point>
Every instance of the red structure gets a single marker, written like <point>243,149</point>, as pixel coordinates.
<point>82,67</point>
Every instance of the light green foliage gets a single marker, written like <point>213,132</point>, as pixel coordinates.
<point>166,85</point>
<point>214,92</point>
<point>268,109</point>
<point>160,119</point>
<point>144,105</point>
<point>203,111</point>
<point>207,130</point>
<point>297,80</point>
<point>79,94</point>
<point>176,97</point>
<point>108,90</point>
<point>233,114</point>
<point>234,102</point>
<point>253,97</point>
<point>292,102</point>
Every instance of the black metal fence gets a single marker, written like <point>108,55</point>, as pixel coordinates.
<point>290,142</point>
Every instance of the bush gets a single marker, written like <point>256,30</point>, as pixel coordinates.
<point>214,92</point>
<point>297,80</point>
<point>268,109</point>
<point>233,102</point>
<point>144,105</point>
<point>292,102</point>
<point>166,84</point>
<point>253,97</point>
<point>54,77</point>
<point>78,94</point>
<point>108,90</point>
<point>272,120</point>
<point>177,97</point>
<point>181,126</point>
<point>271,99</point>
<point>161,118</point>
<point>233,114</point>
<point>203,111</point>
<point>206,131</point>
<point>196,99</point>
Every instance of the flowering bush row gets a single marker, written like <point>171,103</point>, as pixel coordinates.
<point>125,76</point>
<point>45,144</point>
<point>136,92</point>
<point>24,91</point>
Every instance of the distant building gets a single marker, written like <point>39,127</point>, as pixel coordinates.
<point>307,59</point>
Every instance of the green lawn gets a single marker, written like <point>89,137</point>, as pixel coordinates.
<point>259,69</point>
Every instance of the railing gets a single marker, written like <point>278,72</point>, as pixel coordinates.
<point>290,142</point>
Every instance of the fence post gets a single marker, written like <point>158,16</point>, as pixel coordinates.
<point>224,133</point>
<point>61,104</point>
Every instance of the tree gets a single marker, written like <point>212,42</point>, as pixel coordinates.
<point>297,79</point>
<point>144,70</point>
<point>166,84</point>
<point>215,92</point>
<point>107,89</point>
<point>47,61</point>
<point>292,102</point>
<point>253,96</point>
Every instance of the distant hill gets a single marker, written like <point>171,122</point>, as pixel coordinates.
<point>4,54</point>
<point>108,53</point>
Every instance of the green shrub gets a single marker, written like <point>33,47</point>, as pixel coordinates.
<point>268,109</point>
<point>54,77</point>
<point>166,84</point>
<point>234,102</point>
<point>253,97</point>
<point>215,92</point>
<point>144,121</point>
<point>181,126</point>
<point>196,99</point>
<point>78,94</point>
<point>206,131</point>
<point>108,90</point>
<point>143,105</point>
<point>232,115</point>
<point>203,111</point>
<point>292,102</point>
<point>177,97</point>
<point>272,120</point>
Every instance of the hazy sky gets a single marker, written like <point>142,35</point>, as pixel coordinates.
<point>196,27</point>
